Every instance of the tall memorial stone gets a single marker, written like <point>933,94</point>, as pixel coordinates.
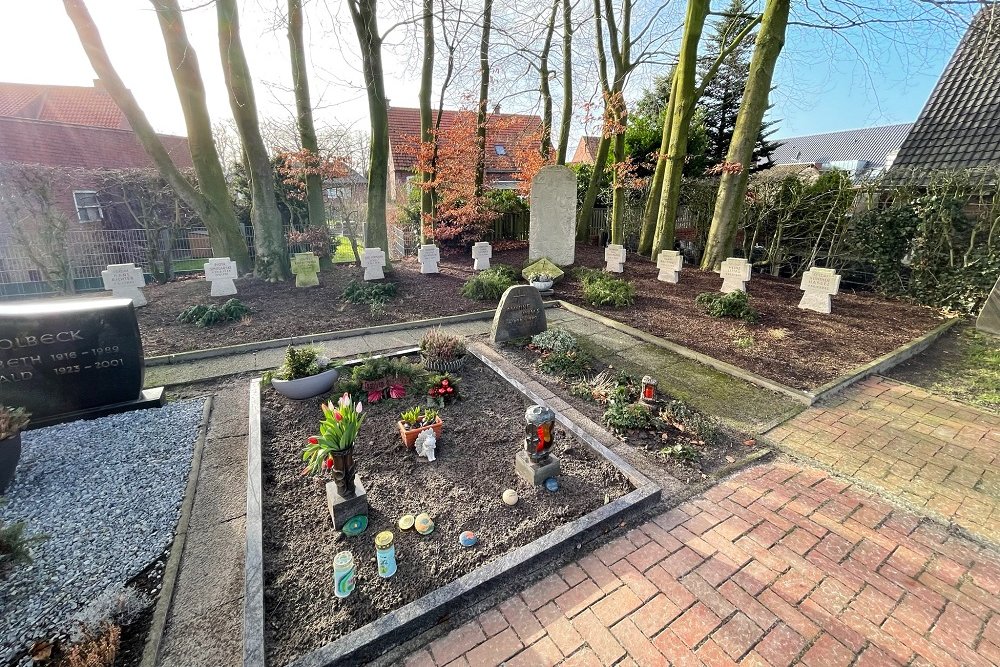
<point>735,273</point>
<point>220,271</point>
<point>65,360</point>
<point>124,281</point>
<point>818,286</point>
<point>519,315</point>
<point>552,230</point>
<point>989,316</point>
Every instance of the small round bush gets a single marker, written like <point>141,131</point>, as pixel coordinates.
<point>490,284</point>
<point>555,340</point>
<point>735,304</point>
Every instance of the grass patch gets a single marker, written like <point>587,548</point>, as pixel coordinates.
<point>974,376</point>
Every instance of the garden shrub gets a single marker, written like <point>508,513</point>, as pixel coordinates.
<point>571,363</point>
<point>555,340</point>
<point>624,415</point>
<point>602,289</point>
<point>680,451</point>
<point>735,304</point>
<point>233,310</point>
<point>490,284</point>
<point>706,428</point>
<point>366,292</point>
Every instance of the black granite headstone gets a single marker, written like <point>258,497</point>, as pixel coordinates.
<point>63,360</point>
<point>519,315</point>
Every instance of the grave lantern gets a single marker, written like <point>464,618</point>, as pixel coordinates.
<point>648,395</point>
<point>539,432</point>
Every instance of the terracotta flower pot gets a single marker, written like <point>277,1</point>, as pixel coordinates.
<point>344,470</point>
<point>10,454</point>
<point>410,435</point>
<point>302,388</point>
<point>442,366</point>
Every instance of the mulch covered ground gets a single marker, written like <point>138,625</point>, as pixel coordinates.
<point>461,490</point>
<point>799,348</point>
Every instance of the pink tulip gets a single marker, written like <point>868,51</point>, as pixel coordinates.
<point>357,408</point>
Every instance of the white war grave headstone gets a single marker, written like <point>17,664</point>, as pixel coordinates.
<point>552,229</point>
<point>429,256</point>
<point>670,263</point>
<point>305,266</point>
<point>220,271</point>
<point>614,255</point>
<point>818,285</point>
<point>481,253</point>
<point>124,281</point>
<point>735,273</point>
<point>373,260</point>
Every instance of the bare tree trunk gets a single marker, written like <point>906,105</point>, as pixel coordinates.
<point>652,208</point>
<point>601,159</point>
<point>223,229</point>
<point>363,16</point>
<point>191,92</point>
<point>617,184</point>
<point>567,102</point>
<point>304,118</point>
<point>733,188</point>
<point>426,119</point>
<point>684,94</point>
<point>544,88</point>
<point>484,93</point>
<point>271,261</point>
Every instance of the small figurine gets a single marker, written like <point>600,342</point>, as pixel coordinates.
<point>425,444</point>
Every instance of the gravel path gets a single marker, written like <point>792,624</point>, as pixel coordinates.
<point>107,494</point>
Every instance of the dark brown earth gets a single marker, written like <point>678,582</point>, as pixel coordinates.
<point>461,490</point>
<point>725,449</point>
<point>799,348</point>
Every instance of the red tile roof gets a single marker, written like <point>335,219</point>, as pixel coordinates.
<point>77,105</point>
<point>64,145</point>
<point>404,131</point>
<point>586,150</point>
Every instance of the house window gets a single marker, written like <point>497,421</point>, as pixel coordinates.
<point>500,149</point>
<point>88,208</point>
<point>34,276</point>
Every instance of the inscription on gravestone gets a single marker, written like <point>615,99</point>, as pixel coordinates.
<point>220,271</point>
<point>71,359</point>
<point>552,229</point>
<point>429,256</point>
<point>481,253</point>
<point>520,314</point>
<point>373,260</point>
<point>305,266</point>
<point>614,255</point>
<point>735,272</point>
<point>818,285</point>
<point>669,262</point>
<point>124,281</point>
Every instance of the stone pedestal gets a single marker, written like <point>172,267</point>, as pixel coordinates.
<point>344,509</point>
<point>532,472</point>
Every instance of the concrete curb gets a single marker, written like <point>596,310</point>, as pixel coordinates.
<point>396,627</point>
<point>151,649</point>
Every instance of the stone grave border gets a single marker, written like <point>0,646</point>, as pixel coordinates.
<point>394,628</point>
<point>807,398</point>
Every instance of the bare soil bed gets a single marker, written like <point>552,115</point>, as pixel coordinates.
<point>716,450</point>
<point>460,490</point>
<point>799,348</point>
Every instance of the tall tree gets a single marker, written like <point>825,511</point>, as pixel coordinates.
<point>484,93</point>
<point>736,170</point>
<point>304,113</point>
<point>271,260</point>
<point>426,119</point>
<point>567,82</point>
<point>543,79</point>
<point>209,201</point>
<point>365,20</point>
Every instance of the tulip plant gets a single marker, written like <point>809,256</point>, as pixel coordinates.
<point>337,431</point>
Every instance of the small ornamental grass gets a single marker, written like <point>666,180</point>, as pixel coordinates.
<point>337,431</point>
<point>201,315</point>
<point>602,289</point>
<point>436,345</point>
<point>735,304</point>
<point>490,284</point>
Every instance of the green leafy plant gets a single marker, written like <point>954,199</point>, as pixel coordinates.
<point>417,417</point>
<point>539,278</point>
<point>555,340</point>
<point>369,292</point>
<point>490,284</point>
<point>299,363</point>
<point>12,421</point>
<point>443,386</point>
<point>680,451</point>
<point>15,545</point>
<point>436,345</point>
<point>381,368</point>
<point>623,415</point>
<point>602,289</point>
<point>337,432</point>
<point>564,364</point>
<point>692,421</point>
<point>735,304</point>
<point>233,310</point>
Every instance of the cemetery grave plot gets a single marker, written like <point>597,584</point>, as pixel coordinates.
<point>688,444</point>
<point>461,490</point>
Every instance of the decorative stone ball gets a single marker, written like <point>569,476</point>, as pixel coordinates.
<point>510,497</point>
<point>467,538</point>
<point>406,522</point>
<point>423,524</point>
<point>552,484</point>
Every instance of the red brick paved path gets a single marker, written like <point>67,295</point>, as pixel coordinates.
<point>938,455</point>
<point>781,564</point>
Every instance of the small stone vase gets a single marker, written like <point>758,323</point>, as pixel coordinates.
<point>344,471</point>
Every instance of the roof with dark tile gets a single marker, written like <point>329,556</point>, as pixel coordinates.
<point>76,105</point>
<point>404,133</point>
<point>959,127</point>
<point>871,144</point>
<point>53,144</point>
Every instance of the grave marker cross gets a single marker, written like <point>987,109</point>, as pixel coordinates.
<point>220,271</point>
<point>735,273</point>
<point>124,281</point>
<point>305,266</point>
<point>373,260</point>
<point>818,286</point>
<point>669,262</point>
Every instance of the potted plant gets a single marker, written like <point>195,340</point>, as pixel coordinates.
<point>441,388</point>
<point>416,420</point>
<point>541,281</point>
<point>304,374</point>
<point>442,352</point>
<point>12,422</point>
<point>333,449</point>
